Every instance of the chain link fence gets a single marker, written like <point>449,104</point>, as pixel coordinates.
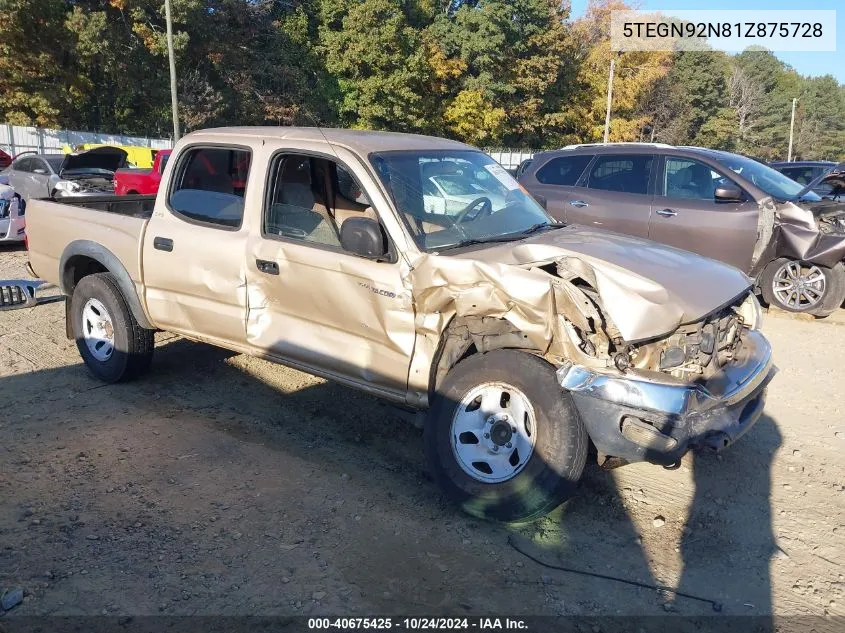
<point>15,139</point>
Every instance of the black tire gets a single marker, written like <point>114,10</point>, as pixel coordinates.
<point>832,299</point>
<point>133,345</point>
<point>550,475</point>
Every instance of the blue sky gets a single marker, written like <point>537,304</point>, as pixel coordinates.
<point>813,64</point>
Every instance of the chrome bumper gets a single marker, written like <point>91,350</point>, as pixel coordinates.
<point>637,418</point>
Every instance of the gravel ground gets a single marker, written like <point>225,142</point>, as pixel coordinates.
<point>223,484</point>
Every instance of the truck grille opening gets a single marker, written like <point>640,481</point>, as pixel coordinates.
<point>16,295</point>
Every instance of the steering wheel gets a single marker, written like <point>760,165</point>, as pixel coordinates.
<point>485,208</point>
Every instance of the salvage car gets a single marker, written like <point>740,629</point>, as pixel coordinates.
<point>831,186</point>
<point>804,171</point>
<point>524,344</point>
<point>722,205</point>
<point>12,219</point>
<point>5,159</point>
<point>136,155</point>
<point>141,181</point>
<point>447,189</point>
<point>58,175</point>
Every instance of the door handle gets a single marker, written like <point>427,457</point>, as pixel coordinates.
<point>163,244</point>
<point>578,203</point>
<point>667,213</point>
<point>268,268</point>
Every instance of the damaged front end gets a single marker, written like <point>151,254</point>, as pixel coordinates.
<point>652,373</point>
<point>90,173</point>
<point>702,387</point>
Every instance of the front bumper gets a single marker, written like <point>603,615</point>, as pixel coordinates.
<point>12,228</point>
<point>634,417</point>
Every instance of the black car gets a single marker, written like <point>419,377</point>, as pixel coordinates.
<point>805,171</point>
<point>831,184</point>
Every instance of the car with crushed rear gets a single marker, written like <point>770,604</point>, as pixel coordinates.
<point>523,346</point>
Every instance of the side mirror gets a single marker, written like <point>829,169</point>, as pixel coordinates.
<point>728,193</point>
<point>364,237</point>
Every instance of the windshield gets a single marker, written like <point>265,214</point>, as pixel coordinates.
<point>769,180</point>
<point>491,204</point>
<point>55,162</point>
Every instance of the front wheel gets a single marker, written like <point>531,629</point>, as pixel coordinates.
<point>797,286</point>
<point>503,439</point>
<point>111,342</point>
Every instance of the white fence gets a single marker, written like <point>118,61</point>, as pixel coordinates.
<point>509,158</point>
<point>15,139</point>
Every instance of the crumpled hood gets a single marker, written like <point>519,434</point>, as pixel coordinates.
<point>108,158</point>
<point>646,288</point>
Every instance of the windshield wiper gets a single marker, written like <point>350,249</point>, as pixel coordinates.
<point>542,225</point>
<point>507,237</point>
<point>480,240</point>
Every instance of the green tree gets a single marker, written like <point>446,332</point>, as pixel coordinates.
<point>36,85</point>
<point>379,62</point>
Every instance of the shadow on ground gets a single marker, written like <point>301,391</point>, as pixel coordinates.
<point>219,484</point>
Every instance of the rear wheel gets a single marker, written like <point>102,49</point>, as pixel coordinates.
<point>503,439</point>
<point>112,344</point>
<point>797,286</point>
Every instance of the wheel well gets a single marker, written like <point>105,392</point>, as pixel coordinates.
<point>131,192</point>
<point>77,267</point>
<point>466,336</point>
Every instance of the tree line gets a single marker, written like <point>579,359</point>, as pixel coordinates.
<point>513,73</point>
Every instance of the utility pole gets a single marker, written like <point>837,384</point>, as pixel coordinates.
<point>791,129</point>
<point>609,99</point>
<point>174,100</point>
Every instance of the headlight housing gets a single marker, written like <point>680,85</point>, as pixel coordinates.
<point>751,312</point>
<point>67,187</point>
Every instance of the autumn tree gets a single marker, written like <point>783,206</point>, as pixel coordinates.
<point>637,72</point>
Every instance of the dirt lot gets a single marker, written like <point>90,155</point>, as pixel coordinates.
<point>221,484</point>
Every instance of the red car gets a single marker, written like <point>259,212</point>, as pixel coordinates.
<point>5,159</point>
<point>141,181</point>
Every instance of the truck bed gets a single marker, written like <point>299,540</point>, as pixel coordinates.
<point>112,223</point>
<point>134,206</point>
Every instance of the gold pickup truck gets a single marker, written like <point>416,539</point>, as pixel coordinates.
<point>418,270</point>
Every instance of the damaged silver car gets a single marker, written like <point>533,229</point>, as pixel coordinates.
<point>525,344</point>
<point>88,173</point>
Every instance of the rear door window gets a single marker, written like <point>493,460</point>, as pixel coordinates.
<point>564,170</point>
<point>625,173</point>
<point>210,185</point>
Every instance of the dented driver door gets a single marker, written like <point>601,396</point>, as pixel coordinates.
<point>312,304</point>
